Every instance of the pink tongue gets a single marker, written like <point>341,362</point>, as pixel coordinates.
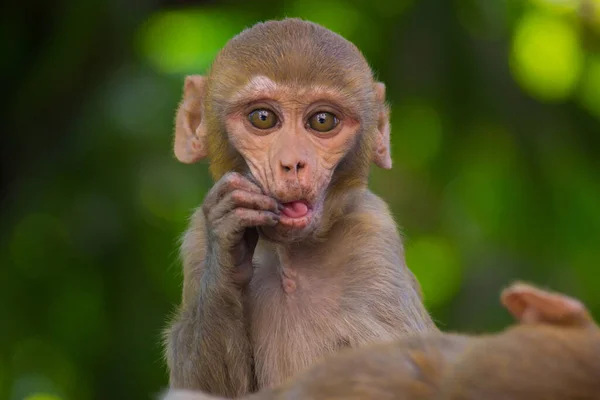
<point>295,209</point>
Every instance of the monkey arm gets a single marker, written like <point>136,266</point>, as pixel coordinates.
<point>207,345</point>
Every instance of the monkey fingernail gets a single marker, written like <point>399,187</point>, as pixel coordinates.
<point>280,207</point>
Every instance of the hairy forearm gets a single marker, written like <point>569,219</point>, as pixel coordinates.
<point>207,345</point>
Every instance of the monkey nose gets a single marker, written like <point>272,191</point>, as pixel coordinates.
<point>292,166</point>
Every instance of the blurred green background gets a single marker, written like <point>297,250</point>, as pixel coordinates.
<point>496,142</point>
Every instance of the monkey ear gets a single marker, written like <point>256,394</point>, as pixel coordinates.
<point>531,305</point>
<point>382,155</point>
<point>190,129</point>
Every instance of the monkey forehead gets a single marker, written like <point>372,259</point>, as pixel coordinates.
<point>291,51</point>
<point>261,87</point>
<point>256,84</point>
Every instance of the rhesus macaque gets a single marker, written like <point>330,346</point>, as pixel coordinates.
<point>291,257</point>
<point>554,353</point>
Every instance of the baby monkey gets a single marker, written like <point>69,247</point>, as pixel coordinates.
<point>553,353</point>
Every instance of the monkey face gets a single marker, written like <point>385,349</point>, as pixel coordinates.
<point>292,139</point>
<point>296,107</point>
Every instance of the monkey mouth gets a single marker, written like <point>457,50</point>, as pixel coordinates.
<point>295,214</point>
<point>295,209</point>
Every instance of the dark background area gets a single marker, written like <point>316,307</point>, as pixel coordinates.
<point>496,143</point>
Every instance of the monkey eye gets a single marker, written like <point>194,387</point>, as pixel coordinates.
<point>323,121</point>
<point>262,119</point>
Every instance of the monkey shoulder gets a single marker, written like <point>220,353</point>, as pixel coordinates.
<point>368,217</point>
<point>372,246</point>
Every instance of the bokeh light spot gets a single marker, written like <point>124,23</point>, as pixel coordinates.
<point>558,6</point>
<point>43,396</point>
<point>437,267</point>
<point>31,385</point>
<point>595,16</point>
<point>40,366</point>
<point>590,88</point>
<point>546,57</point>
<point>416,134</point>
<point>185,41</point>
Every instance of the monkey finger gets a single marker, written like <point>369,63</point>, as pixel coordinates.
<point>242,218</point>
<point>231,227</point>
<point>228,183</point>
<point>243,199</point>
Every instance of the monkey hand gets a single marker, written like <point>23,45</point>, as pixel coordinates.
<point>233,208</point>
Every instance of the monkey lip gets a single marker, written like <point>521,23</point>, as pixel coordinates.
<point>295,209</point>
<point>295,214</point>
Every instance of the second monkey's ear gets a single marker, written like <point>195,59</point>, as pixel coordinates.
<point>190,129</point>
<point>382,155</point>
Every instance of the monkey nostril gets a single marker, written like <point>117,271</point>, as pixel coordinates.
<point>297,167</point>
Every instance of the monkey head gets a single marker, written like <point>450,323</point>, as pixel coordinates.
<point>295,108</point>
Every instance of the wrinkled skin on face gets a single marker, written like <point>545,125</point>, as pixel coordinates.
<point>290,161</point>
<point>309,73</point>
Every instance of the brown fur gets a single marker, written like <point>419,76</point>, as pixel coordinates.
<point>307,293</point>
<point>554,354</point>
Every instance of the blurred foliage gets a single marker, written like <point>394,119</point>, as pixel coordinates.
<point>495,130</point>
